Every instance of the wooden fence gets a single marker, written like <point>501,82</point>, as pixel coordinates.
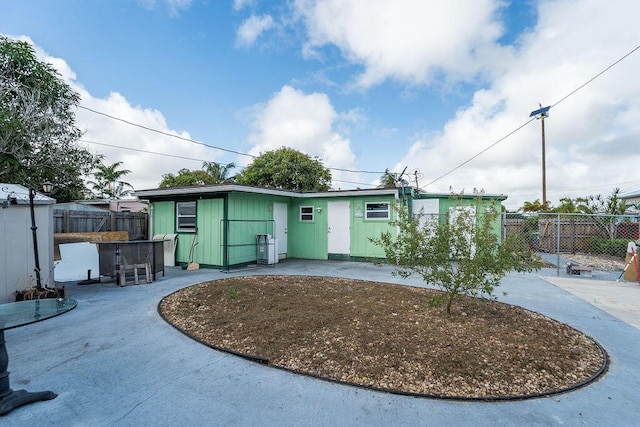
<point>134,223</point>
<point>570,233</point>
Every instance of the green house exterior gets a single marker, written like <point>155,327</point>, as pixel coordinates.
<point>217,225</point>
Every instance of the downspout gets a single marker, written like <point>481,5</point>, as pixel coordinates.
<point>150,222</point>
<point>225,226</point>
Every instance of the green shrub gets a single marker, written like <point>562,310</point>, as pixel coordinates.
<point>614,247</point>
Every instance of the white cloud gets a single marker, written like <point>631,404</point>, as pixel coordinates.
<point>241,4</point>
<point>174,6</point>
<point>306,123</point>
<point>252,28</point>
<point>146,168</point>
<point>591,137</point>
<point>409,41</point>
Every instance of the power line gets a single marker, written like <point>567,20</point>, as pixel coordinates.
<point>147,151</point>
<point>166,133</point>
<point>173,156</point>
<point>535,118</point>
<point>202,143</point>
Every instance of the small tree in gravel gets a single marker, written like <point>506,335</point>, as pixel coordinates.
<point>460,256</point>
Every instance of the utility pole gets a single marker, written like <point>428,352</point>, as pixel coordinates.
<point>541,113</point>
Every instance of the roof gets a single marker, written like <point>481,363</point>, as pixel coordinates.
<point>229,188</point>
<point>630,194</point>
<point>19,195</point>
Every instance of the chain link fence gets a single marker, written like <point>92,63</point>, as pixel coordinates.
<point>578,244</point>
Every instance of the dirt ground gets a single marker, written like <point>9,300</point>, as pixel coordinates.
<point>386,336</point>
<point>599,262</point>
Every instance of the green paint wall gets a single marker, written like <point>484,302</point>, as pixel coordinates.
<point>249,215</point>
<point>308,240</point>
<point>208,241</point>
<point>362,229</point>
<point>482,204</point>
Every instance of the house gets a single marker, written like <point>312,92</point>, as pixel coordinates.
<point>218,225</point>
<point>17,260</point>
<point>631,197</point>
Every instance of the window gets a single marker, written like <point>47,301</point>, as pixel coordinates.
<point>377,210</point>
<point>186,216</point>
<point>306,213</point>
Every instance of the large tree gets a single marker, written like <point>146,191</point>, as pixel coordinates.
<point>38,134</point>
<point>211,173</point>
<point>287,169</point>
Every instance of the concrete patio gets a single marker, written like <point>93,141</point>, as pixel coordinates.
<point>114,361</point>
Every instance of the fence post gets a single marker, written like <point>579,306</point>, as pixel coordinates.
<point>558,246</point>
<point>65,222</point>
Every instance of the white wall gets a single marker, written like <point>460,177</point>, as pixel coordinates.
<point>16,248</point>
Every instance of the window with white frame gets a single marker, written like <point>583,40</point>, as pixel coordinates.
<point>306,213</point>
<point>186,216</point>
<point>378,210</point>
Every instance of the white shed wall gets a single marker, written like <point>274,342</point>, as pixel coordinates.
<point>17,262</point>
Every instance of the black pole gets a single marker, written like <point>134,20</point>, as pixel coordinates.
<point>36,257</point>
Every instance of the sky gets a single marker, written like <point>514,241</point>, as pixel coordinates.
<point>439,89</point>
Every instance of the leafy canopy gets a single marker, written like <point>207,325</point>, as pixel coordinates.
<point>287,169</point>
<point>108,181</point>
<point>38,134</point>
<point>211,173</point>
<point>462,255</point>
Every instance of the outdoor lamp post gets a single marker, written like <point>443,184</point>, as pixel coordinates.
<point>541,113</point>
<point>47,187</point>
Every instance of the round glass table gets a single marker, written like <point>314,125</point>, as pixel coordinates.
<point>13,315</point>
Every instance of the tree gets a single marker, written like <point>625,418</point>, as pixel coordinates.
<point>461,256</point>
<point>287,169</point>
<point>535,206</point>
<point>392,180</point>
<point>109,183</point>
<point>219,172</point>
<point>38,135</point>
<point>211,173</point>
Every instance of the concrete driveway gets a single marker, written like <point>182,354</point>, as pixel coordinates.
<point>114,361</point>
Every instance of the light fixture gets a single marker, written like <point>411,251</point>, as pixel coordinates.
<point>47,187</point>
<point>318,209</point>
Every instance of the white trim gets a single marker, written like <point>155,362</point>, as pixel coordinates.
<point>388,211</point>
<point>312,213</point>
<point>194,216</point>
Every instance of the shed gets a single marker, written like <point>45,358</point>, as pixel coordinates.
<point>17,264</point>
<point>217,225</point>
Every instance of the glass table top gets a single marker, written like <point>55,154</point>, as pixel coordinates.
<point>14,314</point>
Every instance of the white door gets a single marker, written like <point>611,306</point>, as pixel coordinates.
<point>469,214</point>
<point>280,219</point>
<point>338,221</point>
<point>427,210</point>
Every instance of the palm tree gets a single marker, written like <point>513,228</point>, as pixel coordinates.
<point>392,180</point>
<point>108,181</point>
<point>219,172</point>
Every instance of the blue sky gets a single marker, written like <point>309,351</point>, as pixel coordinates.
<point>365,85</point>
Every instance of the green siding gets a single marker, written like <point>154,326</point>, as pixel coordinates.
<point>308,240</point>
<point>363,229</point>
<point>209,237</point>
<point>249,215</point>
<point>482,204</point>
<point>164,219</point>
